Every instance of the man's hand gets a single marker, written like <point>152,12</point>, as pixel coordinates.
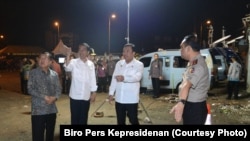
<point>92,96</point>
<point>119,78</point>
<point>178,111</point>
<point>50,99</point>
<point>160,77</point>
<point>111,99</point>
<point>68,51</point>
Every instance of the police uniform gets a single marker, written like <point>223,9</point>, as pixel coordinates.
<point>196,73</point>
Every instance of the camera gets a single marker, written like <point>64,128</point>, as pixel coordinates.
<point>61,60</point>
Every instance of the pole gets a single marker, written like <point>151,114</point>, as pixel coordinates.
<point>210,35</point>
<point>58,30</point>
<point>201,35</point>
<point>109,38</point>
<point>99,107</point>
<point>150,120</point>
<point>223,35</point>
<point>128,23</point>
<point>109,28</point>
<point>248,64</point>
<point>246,22</point>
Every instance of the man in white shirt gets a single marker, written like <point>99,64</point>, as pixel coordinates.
<point>83,86</point>
<point>125,85</point>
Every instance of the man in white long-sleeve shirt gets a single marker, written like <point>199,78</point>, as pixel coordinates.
<point>125,85</point>
<point>233,77</point>
<point>83,84</point>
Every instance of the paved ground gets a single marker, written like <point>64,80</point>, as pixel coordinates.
<point>15,110</point>
<point>15,114</point>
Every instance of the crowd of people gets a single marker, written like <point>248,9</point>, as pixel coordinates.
<point>104,69</point>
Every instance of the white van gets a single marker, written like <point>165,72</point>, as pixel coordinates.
<point>173,68</point>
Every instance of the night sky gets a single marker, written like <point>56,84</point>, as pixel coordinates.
<point>25,22</point>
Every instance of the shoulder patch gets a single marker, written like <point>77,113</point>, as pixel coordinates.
<point>191,70</point>
<point>194,62</point>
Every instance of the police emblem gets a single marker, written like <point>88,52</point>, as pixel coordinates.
<point>191,70</point>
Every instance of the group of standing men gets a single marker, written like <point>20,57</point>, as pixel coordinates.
<point>44,87</point>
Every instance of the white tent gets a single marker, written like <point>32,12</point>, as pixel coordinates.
<point>60,48</point>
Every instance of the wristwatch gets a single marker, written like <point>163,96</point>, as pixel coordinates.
<point>183,101</point>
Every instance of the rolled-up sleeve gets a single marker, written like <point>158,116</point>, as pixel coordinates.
<point>93,78</point>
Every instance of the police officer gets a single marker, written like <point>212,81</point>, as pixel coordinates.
<point>192,107</point>
<point>155,73</point>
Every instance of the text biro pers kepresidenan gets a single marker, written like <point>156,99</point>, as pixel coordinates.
<point>138,131</point>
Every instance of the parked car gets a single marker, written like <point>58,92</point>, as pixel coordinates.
<point>222,56</point>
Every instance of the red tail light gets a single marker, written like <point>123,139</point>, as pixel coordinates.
<point>214,71</point>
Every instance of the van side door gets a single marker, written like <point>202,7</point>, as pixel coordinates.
<point>166,61</point>
<point>146,81</point>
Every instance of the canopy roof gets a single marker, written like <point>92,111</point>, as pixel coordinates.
<point>61,49</point>
<point>21,50</point>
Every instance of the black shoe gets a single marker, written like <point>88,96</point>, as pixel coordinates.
<point>236,97</point>
<point>155,96</point>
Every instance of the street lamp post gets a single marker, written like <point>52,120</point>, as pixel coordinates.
<point>208,22</point>
<point>210,35</point>
<point>1,40</point>
<point>110,17</point>
<point>127,38</point>
<point>58,30</point>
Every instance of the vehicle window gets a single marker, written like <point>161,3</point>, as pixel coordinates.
<point>179,62</point>
<point>167,62</point>
<point>215,51</point>
<point>146,61</point>
<point>213,58</point>
<point>218,62</point>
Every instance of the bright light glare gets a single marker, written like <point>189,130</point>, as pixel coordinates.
<point>113,16</point>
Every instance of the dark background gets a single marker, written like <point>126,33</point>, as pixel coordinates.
<point>24,22</point>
